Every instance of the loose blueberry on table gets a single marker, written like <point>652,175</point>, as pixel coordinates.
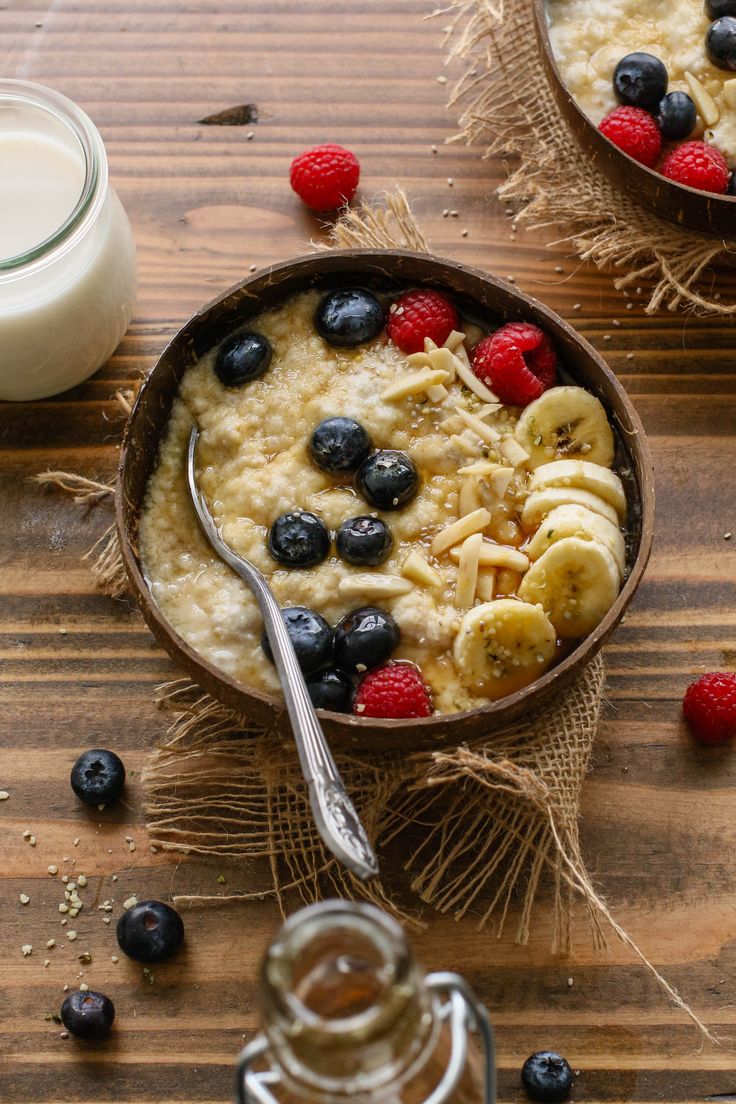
<point>150,931</point>
<point>311,636</point>
<point>365,638</point>
<point>87,1014</point>
<point>299,539</point>
<point>547,1077</point>
<point>98,777</point>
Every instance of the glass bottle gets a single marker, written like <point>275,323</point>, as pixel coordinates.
<point>67,258</point>
<point>348,1015</point>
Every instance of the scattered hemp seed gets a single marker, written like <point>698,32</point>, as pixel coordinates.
<point>24,898</point>
<point>52,869</point>
<point>63,1034</point>
<point>114,878</point>
<point>615,322</point>
<point>253,268</point>
<point>576,306</point>
<point>26,949</point>
<point>84,987</point>
<point>441,79</point>
<point>463,233</point>
<point>46,962</point>
<point>82,880</point>
<point>106,919</point>
<point>629,356</point>
<point>629,306</point>
<point>130,902</point>
<point>559,268</point>
<point>570,983</point>
<point>65,878</point>
<point>131,846</point>
<point>50,943</point>
<point>52,1017</point>
<point>433,149</point>
<point>71,936</point>
<point>63,906</point>
<point>75,841</point>
<point>606,337</point>
<point>450,182</point>
<point>26,835</point>
<point>114,958</point>
<point>32,841</point>
<point>4,795</point>
<point>221,879</point>
<point>727,536</point>
<point>250,136</point>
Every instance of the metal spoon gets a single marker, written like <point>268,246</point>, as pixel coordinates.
<point>334,815</point>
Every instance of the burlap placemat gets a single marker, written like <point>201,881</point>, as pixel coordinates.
<point>484,823</point>
<point>507,106</point>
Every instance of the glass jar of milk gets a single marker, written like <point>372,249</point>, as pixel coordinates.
<point>67,258</point>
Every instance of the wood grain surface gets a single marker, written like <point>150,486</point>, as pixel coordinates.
<point>78,670</point>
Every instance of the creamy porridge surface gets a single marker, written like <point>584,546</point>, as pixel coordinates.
<point>589,38</point>
<point>254,466</point>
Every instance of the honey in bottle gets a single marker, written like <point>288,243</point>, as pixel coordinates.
<point>348,1015</point>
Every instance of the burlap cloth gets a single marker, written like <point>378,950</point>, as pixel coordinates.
<point>483,824</point>
<point>508,107</point>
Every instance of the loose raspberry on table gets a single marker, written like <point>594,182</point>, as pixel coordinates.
<point>635,132</point>
<point>419,314</point>
<point>709,707</point>
<point>518,362</point>
<point>395,690</point>
<point>697,165</point>
<point>325,177</point>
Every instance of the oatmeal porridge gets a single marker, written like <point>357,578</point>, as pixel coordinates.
<point>590,37</point>
<point>367,457</point>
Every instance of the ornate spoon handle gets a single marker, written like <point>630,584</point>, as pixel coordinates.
<point>334,814</point>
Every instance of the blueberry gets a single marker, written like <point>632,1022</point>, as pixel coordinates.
<point>242,358</point>
<point>387,479</point>
<point>98,777</point>
<point>311,636</point>
<point>547,1077</point>
<point>331,689</point>
<point>299,539</point>
<point>150,931</point>
<point>349,317</point>
<point>714,9</point>
<point>720,42</point>
<point>365,638</point>
<point>676,116</point>
<point>365,541</point>
<point>640,80</point>
<point>339,445</point>
<point>88,1015</point>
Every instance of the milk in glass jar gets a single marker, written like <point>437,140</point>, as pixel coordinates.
<point>67,258</point>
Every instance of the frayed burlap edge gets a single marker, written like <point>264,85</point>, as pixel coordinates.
<point>555,181</point>
<point>496,814</point>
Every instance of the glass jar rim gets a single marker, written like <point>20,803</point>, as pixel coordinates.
<point>94,188</point>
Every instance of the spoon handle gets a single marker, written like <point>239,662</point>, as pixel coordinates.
<point>334,814</point>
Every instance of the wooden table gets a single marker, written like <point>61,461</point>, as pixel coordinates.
<point>79,670</point>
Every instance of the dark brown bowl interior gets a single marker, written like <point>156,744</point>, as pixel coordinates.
<point>703,211</point>
<point>478,295</point>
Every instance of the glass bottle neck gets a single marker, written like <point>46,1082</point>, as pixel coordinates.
<point>346,1010</point>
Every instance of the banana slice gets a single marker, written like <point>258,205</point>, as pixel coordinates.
<point>541,503</point>
<point>576,582</point>
<point>570,520</point>
<point>582,473</point>
<point>565,423</point>
<point>502,646</point>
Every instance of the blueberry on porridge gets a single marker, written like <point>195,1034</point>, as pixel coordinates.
<point>671,68</point>
<point>440,526</point>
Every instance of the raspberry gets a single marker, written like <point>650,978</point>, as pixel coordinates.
<point>325,177</point>
<point>698,165</point>
<point>421,314</point>
<point>393,690</point>
<point>635,132</point>
<point>709,707</point>
<point>517,362</point>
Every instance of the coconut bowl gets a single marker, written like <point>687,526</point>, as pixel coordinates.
<point>479,296</point>
<point>702,211</point>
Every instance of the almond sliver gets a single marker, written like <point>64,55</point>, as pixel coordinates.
<point>485,432</point>
<point>414,384</point>
<point>459,530</point>
<point>467,575</point>
<point>471,381</point>
<point>416,568</point>
<point>374,586</point>
<point>497,555</point>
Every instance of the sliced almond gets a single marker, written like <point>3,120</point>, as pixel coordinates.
<point>487,408</point>
<point>481,467</point>
<point>467,574</point>
<point>459,530</point>
<point>414,384</point>
<point>374,586</point>
<point>514,453</point>
<point>469,498</point>
<point>462,354</point>
<point>485,587</point>
<point>499,481</point>
<point>419,360</point>
<point>497,555</point>
<point>437,394</point>
<point>466,446</point>
<point>706,105</point>
<point>416,568</point>
<point>729,92</point>
<point>485,432</point>
<point>429,345</point>
<point>445,361</point>
<point>471,381</point>
<point>454,338</point>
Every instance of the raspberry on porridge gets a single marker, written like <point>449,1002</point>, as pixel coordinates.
<point>399,510</point>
